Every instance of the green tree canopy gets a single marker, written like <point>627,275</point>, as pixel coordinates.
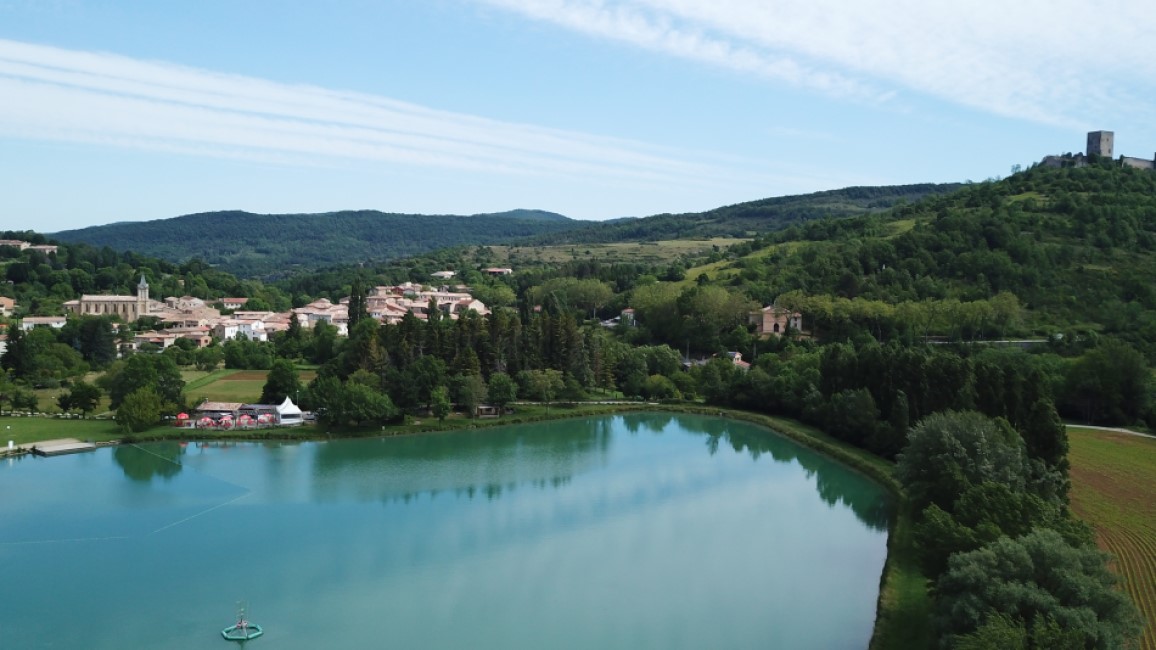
<point>281,382</point>
<point>139,410</point>
<point>1110,385</point>
<point>440,404</point>
<point>1042,584</point>
<point>83,397</point>
<point>502,390</point>
<point>948,452</point>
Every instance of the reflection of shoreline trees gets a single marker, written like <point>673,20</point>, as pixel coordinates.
<point>160,460</point>
<point>487,462</point>
<point>653,422</point>
<point>835,483</point>
<point>493,462</point>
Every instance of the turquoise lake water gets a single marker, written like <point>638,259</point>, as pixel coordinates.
<point>634,531</point>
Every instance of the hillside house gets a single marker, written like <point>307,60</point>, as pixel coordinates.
<point>7,306</point>
<point>737,359</point>
<point>390,304</point>
<point>776,321</point>
<point>231,328</point>
<point>160,339</point>
<point>15,243</point>
<point>185,311</point>
<point>184,303</point>
<point>201,335</point>
<point>322,310</point>
<point>626,318</point>
<point>55,322</point>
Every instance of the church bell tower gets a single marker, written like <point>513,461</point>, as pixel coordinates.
<point>142,297</point>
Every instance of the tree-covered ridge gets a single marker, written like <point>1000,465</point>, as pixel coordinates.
<point>277,245</point>
<point>1076,247</point>
<point>252,245</point>
<point>41,283</point>
<point>753,217</point>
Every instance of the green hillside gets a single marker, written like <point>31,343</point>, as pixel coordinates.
<point>1076,247</point>
<point>274,245</point>
<point>751,218</point>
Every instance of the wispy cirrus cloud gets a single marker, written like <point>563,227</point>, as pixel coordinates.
<point>1059,62</point>
<point>66,95</point>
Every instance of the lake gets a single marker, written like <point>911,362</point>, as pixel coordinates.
<point>632,531</point>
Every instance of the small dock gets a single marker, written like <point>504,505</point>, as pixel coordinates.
<point>60,447</point>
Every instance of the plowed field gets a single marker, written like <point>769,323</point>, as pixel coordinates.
<point>1114,489</point>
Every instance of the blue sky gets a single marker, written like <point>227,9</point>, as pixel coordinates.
<point>114,110</point>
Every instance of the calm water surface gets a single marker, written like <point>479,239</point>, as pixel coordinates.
<point>635,531</point>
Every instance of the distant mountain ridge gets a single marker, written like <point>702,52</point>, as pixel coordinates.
<point>272,245</point>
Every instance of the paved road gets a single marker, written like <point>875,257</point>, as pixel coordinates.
<point>1116,429</point>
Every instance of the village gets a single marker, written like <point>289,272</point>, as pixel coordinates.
<point>203,321</point>
<point>207,321</point>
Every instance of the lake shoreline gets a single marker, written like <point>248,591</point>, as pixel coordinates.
<point>903,605</point>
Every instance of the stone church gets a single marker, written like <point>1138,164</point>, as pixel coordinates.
<point>129,308</point>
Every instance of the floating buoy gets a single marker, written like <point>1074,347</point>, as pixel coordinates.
<point>243,629</point>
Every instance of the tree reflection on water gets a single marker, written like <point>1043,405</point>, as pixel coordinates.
<point>160,460</point>
<point>492,462</point>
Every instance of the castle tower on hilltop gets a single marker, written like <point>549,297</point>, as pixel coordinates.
<point>142,297</point>
<point>1100,143</point>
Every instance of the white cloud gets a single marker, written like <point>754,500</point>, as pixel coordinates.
<point>1061,62</point>
<point>656,28</point>
<point>56,94</point>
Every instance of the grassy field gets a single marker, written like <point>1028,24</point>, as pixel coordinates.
<point>647,252</point>
<point>233,385</point>
<point>896,228</point>
<point>22,430</point>
<point>1114,489</point>
<point>46,397</point>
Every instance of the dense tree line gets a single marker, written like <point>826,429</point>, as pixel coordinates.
<point>1011,568</point>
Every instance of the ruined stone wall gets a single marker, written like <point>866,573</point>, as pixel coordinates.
<point>1138,163</point>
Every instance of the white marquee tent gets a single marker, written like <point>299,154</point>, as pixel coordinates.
<point>288,414</point>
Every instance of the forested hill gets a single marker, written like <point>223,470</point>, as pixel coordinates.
<point>1076,247</point>
<point>273,245</point>
<point>754,217</point>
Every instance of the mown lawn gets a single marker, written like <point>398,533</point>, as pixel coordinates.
<point>46,397</point>
<point>234,385</point>
<point>22,430</point>
<point>1114,489</point>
